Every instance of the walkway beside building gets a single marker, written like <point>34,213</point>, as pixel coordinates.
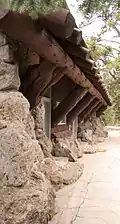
<point>94,198</point>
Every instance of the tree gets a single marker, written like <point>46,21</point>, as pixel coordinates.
<point>106,55</point>
<point>109,65</point>
<point>33,7</point>
<point>106,10</point>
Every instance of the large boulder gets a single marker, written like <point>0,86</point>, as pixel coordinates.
<point>51,171</point>
<point>38,112</point>
<point>71,171</point>
<point>67,147</point>
<point>44,142</point>
<point>26,195</point>
<point>89,148</point>
<point>14,107</point>
<point>9,78</point>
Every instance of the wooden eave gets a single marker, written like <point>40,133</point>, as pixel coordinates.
<point>59,43</point>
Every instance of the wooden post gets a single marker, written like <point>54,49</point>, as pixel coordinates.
<point>85,113</point>
<point>67,104</point>
<point>82,104</point>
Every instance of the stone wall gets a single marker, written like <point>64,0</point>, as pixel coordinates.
<point>26,193</point>
<point>32,166</point>
<point>90,133</point>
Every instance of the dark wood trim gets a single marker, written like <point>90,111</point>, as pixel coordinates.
<point>67,104</point>
<point>86,100</point>
<point>93,112</point>
<point>76,37</point>
<point>85,114</point>
<point>84,64</point>
<point>59,23</point>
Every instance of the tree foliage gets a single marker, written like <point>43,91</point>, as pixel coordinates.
<point>33,7</point>
<point>107,10</point>
<point>109,65</point>
<point>107,56</point>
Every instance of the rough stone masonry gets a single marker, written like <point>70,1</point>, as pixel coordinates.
<point>26,194</point>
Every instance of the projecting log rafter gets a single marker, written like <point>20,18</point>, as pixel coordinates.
<point>93,112</point>
<point>59,23</point>
<point>38,79</point>
<point>38,40</point>
<point>90,108</point>
<point>76,37</point>
<point>86,100</point>
<point>67,104</point>
<point>43,44</point>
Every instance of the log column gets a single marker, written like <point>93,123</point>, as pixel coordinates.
<point>67,104</point>
<point>79,107</point>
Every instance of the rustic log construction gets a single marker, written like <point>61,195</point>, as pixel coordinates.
<point>51,93</point>
<point>60,51</point>
<point>86,112</point>
<point>77,110</point>
<point>96,108</point>
<point>67,104</point>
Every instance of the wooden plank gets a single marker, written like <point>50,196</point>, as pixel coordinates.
<point>73,50</point>
<point>82,104</point>
<point>85,64</point>
<point>88,71</point>
<point>60,23</point>
<point>76,37</point>
<point>67,104</point>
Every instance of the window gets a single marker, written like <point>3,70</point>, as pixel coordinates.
<point>47,116</point>
<point>64,121</point>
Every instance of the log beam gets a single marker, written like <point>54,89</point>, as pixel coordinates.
<point>76,37</point>
<point>38,79</point>
<point>45,45</point>
<point>85,113</point>
<point>60,23</point>
<point>73,50</point>
<point>86,100</point>
<point>35,80</point>
<point>85,64</point>
<point>93,112</point>
<point>67,104</point>
<point>58,73</point>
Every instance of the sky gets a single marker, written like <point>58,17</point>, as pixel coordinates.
<point>92,29</point>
